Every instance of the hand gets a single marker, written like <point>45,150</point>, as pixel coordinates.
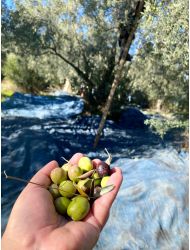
<point>35,224</point>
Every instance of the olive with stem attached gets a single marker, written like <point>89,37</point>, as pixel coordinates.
<point>74,172</point>
<point>85,164</point>
<point>103,169</point>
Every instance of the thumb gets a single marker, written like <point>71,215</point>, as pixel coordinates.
<point>42,177</point>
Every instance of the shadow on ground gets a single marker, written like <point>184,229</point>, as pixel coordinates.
<point>29,143</point>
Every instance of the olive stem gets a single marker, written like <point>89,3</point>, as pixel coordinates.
<point>108,161</point>
<point>25,181</point>
<point>65,159</point>
<point>22,180</point>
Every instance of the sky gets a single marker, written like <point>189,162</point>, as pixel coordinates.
<point>10,3</point>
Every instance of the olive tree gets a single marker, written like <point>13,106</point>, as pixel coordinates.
<point>160,68</point>
<point>80,36</point>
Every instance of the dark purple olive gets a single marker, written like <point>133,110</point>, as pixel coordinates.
<point>103,169</point>
<point>97,191</point>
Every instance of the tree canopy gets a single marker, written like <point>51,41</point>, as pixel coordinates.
<point>78,40</point>
<point>160,68</point>
<point>80,35</point>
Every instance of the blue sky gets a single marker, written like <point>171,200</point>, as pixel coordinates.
<point>10,3</point>
<point>134,46</point>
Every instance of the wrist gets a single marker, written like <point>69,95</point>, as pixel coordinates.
<point>12,241</point>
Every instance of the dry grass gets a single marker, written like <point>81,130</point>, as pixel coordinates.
<point>8,88</point>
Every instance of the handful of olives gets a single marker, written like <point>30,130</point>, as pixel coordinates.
<point>74,186</point>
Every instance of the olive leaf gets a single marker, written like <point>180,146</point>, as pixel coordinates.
<point>86,175</point>
<point>106,189</point>
<point>22,180</point>
<point>81,191</point>
<point>65,159</point>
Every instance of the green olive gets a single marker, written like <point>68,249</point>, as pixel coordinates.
<point>104,181</point>
<point>65,167</point>
<point>95,176</point>
<point>97,182</point>
<point>54,190</point>
<point>78,208</point>
<point>74,172</point>
<point>58,175</point>
<point>67,189</point>
<point>61,205</point>
<point>85,164</point>
<point>97,179</point>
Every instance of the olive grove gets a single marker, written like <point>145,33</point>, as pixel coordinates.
<point>77,40</point>
<point>45,42</point>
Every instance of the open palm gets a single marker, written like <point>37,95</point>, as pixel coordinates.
<point>35,224</point>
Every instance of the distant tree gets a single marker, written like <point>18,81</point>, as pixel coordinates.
<point>5,30</point>
<point>160,68</point>
<point>24,72</point>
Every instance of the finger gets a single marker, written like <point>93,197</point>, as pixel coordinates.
<point>42,177</point>
<point>96,162</point>
<point>75,158</point>
<point>101,207</point>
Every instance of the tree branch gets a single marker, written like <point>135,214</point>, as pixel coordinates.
<point>118,75</point>
<point>83,75</point>
<point>86,61</point>
<point>139,8</point>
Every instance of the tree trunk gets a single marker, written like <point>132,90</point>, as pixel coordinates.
<point>139,9</point>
